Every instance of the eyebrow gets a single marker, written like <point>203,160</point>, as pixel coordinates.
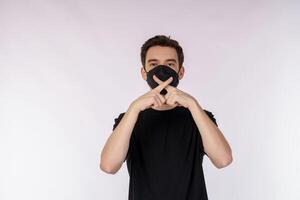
<point>170,59</point>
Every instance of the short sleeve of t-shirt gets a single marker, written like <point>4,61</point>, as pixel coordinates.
<point>212,117</point>
<point>117,121</point>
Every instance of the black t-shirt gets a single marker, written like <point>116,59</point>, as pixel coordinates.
<point>165,156</point>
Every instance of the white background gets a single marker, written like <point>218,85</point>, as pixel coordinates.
<point>68,68</point>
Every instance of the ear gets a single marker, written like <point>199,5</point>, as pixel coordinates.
<point>143,73</point>
<point>181,73</point>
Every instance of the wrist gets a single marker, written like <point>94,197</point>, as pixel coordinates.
<point>194,105</point>
<point>133,108</point>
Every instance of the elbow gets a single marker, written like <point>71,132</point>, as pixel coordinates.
<point>224,162</point>
<point>107,165</point>
<point>109,169</point>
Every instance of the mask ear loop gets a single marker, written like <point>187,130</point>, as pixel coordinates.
<point>146,70</point>
<point>179,69</point>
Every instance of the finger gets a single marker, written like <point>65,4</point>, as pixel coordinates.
<point>157,80</point>
<point>158,100</point>
<point>168,95</point>
<point>175,101</point>
<point>162,99</point>
<point>172,100</point>
<point>161,86</point>
<point>154,104</point>
<point>159,103</point>
<point>168,87</point>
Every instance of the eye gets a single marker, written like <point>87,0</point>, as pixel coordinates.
<point>152,64</point>
<point>172,64</point>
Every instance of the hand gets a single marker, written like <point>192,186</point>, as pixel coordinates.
<point>176,96</point>
<point>153,97</point>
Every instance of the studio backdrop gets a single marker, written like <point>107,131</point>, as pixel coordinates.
<point>68,68</point>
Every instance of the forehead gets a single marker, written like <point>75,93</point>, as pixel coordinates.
<point>161,53</point>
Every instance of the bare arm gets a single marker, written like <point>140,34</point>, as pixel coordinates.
<point>116,146</point>
<point>214,142</point>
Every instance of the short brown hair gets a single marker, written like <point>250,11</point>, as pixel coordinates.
<point>162,40</point>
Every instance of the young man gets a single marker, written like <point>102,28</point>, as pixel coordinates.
<point>165,133</point>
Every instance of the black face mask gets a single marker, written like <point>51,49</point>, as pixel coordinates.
<point>163,72</point>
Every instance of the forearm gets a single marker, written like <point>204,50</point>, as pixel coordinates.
<point>214,142</point>
<point>116,146</point>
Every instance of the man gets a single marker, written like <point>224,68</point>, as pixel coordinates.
<point>165,133</point>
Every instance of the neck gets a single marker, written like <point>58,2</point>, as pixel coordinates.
<point>163,107</point>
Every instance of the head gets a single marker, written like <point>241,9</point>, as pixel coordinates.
<point>161,50</point>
